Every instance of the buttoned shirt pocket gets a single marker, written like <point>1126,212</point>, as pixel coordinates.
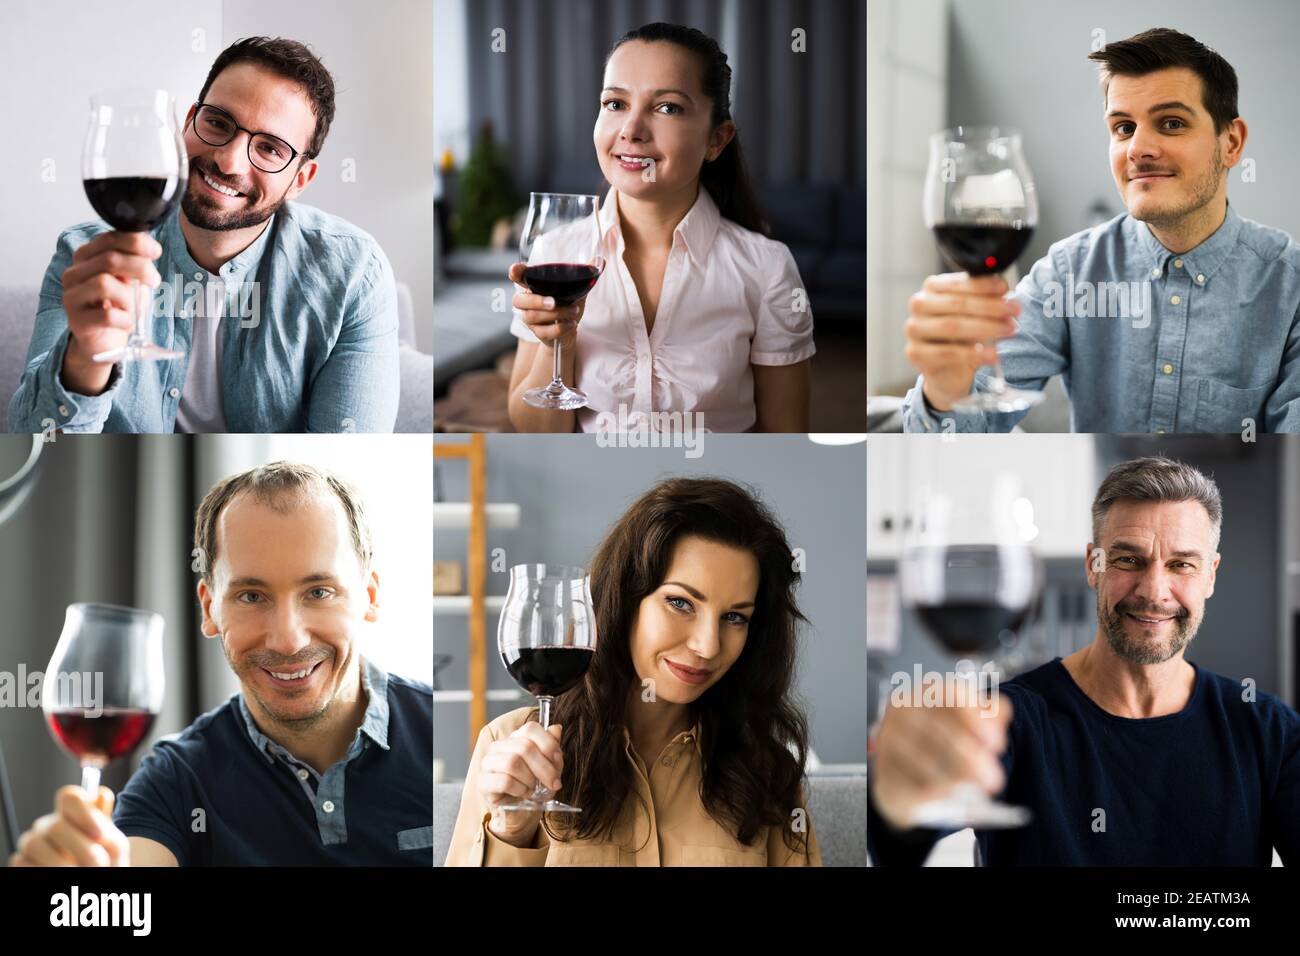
<point>693,855</point>
<point>416,838</point>
<point>1221,407</point>
<point>582,854</point>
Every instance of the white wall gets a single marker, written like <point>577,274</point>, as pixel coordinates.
<point>450,82</point>
<point>54,54</point>
<point>906,102</point>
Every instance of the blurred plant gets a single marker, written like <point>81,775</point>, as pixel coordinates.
<point>485,192</point>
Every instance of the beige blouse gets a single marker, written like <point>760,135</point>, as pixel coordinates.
<point>677,831</point>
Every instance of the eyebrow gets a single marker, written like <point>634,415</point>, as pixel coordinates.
<point>700,597</point>
<point>256,132</point>
<point>1158,108</point>
<point>619,89</point>
<point>317,578</point>
<point>1130,548</point>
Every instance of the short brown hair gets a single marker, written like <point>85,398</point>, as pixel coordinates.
<point>1161,48</point>
<point>275,484</point>
<point>1157,478</point>
<point>293,61</point>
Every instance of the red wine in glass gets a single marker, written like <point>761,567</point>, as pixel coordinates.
<point>133,203</point>
<point>565,282</point>
<point>103,737</point>
<point>547,671</point>
<point>103,686</point>
<point>134,169</point>
<point>560,246</point>
<point>547,638</point>
<point>982,206</point>
<point>982,250</point>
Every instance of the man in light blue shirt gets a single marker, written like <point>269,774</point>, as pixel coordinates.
<point>1179,315</point>
<point>286,317</point>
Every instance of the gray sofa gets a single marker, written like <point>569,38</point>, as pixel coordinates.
<point>837,807</point>
<point>414,411</point>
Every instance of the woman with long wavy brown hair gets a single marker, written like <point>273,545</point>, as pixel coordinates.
<point>682,745</point>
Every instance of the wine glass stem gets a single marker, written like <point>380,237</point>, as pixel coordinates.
<point>90,780</point>
<point>138,292</point>
<point>557,382</point>
<point>541,793</point>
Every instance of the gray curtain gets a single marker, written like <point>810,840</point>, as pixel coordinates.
<point>109,520</point>
<point>802,118</point>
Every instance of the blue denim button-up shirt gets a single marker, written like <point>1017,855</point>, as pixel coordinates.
<point>313,347</point>
<point>1147,340</point>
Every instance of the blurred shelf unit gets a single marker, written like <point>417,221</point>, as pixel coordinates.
<point>475,516</point>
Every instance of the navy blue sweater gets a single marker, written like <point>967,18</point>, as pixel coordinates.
<point>1216,784</point>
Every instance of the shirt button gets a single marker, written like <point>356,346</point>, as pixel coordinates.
<point>328,806</point>
<point>1175,299</point>
<point>176,392</point>
<point>302,774</point>
<point>1167,369</point>
<point>667,761</point>
<point>1155,273</point>
<point>63,409</point>
<point>1200,278</point>
<point>1178,263</point>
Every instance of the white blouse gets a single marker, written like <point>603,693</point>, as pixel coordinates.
<point>731,298</point>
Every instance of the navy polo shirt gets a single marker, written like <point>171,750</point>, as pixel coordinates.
<point>223,794</point>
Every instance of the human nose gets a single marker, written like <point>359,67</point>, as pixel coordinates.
<point>232,159</point>
<point>288,635</point>
<point>1143,144</point>
<point>705,640</point>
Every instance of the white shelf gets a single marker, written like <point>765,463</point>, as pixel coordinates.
<point>451,515</point>
<point>459,603</point>
<point>464,696</point>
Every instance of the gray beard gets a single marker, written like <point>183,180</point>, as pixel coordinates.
<point>1150,651</point>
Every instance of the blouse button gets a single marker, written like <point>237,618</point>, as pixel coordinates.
<point>328,806</point>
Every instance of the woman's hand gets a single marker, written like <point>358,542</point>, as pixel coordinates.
<point>544,319</point>
<point>510,770</point>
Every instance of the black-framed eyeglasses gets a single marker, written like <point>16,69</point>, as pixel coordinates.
<point>216,127</point>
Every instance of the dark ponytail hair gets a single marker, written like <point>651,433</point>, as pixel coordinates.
<point>725,177</point>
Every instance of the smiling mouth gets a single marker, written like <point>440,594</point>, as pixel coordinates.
<point>220,188</point>
<point>1149,177</point>
<point>290,678</point>
<point>634,159</point>
<point>690,675</point>
<point>1143,619</point>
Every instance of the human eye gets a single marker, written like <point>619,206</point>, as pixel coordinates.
<point>328,592</point>
<point>609,102</point>
<point>679,603</point>
<point>735,617</point>
<point>1122,129</point>
<point>248,594</point>
<point>670,109</point>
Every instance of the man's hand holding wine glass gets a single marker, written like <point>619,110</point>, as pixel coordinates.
<point>923,753</point>
<point>950,323</point>
<point>80,832</point>
<point>97,291</point>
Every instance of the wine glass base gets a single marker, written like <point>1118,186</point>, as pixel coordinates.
<point>980,813</point>
<point>545,806</point>
<point>1007,400</point>
<point>147,352</point>
<point>563,398</point>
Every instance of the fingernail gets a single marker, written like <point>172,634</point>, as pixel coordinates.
<point>548,302</point>
<point>555,784</point>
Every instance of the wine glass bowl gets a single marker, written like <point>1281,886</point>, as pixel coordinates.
<point>981,204</point>
<point>547,637</point>
<point>560,248</point>
<point>103,687</point>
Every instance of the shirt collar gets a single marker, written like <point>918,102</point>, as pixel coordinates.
<point>691,736</point>
<point>374,682</point>
<point>1204,259</point>
<point>697,230</point>
<point>172,239</point>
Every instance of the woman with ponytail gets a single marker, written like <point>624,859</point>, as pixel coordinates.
<point>698,311</point>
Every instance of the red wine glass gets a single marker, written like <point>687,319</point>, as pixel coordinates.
<point>981,204</point>
<point>103,687</point>
<point>547,638</point>
<point>134,169</point>
<point>969,573</point>
<point>560,247</point>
